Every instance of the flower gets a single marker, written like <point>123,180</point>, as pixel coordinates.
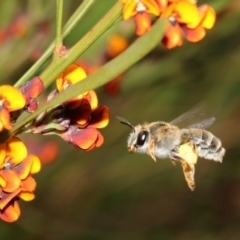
<point>185,17</point>
<point>83,132</point>
<point>82,113</point>
<point>16,182</point>
<point>141,10</point>
<point>74,73</point>
<point>76,121</point>
<point>11,99</point>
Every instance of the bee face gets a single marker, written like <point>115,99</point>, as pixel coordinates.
<point>138,140</point>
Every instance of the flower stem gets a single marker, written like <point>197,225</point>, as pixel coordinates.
<point>73,20</point>
<point>58,40</point>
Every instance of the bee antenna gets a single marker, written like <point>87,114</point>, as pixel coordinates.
<point>125,122</point>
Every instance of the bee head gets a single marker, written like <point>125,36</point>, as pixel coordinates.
<point>138,139</point>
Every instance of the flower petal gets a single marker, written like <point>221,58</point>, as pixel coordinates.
<point>92,98</point>
<point>5,119</point>
<point>36,164</point>
<point>100,117</point>
<point>3,182</point>
<point>143,23</point>
<point>187,13</point>
<point>2,154</point>
<point>209,16</point>
<point>6,198</point>
<point>16,150</point>
<point>152,7</point>
<point>13,181</point>
<point>84,138</point>
<point>12,98</point>
<point>129,9</point>
<point>28,184</point>
<point>172,37</point>
<point>11,212</point>
<point>32,88</point>
<point>23,168</point>
<point>71,75</point>
<point>100,140</point>
<point>194,35</point>
<point>26,196</point>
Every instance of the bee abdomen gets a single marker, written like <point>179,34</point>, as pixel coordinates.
<point>208,146</point>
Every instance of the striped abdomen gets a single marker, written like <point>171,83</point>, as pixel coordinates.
<point>208,146</point>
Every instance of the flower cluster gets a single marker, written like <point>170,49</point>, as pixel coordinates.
<point>76,121</point>
<point>16,182</point>
<point>185,18</point>
<point>16,165</point>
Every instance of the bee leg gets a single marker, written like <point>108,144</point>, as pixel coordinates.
<point>173,162</point>
<point>151,149</point>
<point>189,171</point>
<point>174,156</point>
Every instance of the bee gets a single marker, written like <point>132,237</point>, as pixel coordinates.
<point>179,144</point>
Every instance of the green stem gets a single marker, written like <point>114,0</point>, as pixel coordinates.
<point>140,48</point>
<point>54,69</point>
<point>74,19</point>
<point>58,40</point>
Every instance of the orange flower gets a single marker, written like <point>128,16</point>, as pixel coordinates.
<point>76,120</point>
<point>85,118</point>
<point>185,17</point>
<point>115,45</point>
<point>207,20</point>
<point>141,10</point>
<point>74,73</point>
<point>16,182</point>
<point>11,100</point>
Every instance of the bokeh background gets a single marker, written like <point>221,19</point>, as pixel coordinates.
<point>108,193</point>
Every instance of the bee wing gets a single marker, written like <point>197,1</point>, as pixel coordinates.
<point>197,117</point>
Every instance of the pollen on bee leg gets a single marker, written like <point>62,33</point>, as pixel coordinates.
<point>189,171</point>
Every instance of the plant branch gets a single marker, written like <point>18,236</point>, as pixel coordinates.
<point>56,68</point>
<point>59,11</point>
<point>135,52</point>
<point>74,19</point>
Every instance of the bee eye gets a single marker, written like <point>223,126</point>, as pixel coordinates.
<point>142,137</point>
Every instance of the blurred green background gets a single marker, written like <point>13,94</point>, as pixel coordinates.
<point>108,193</point>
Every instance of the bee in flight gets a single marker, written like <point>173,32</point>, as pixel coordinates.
<point>179,144</point>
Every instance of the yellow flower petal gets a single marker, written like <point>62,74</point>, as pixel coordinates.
<point>3,182</point>
<point>209,18</point>
<point>152,7</point>
<point>26,196</point>
<point>187,13</point>
<point>129,9</point>
<point>16,150</point>
<point>36,165</point>
<point>2,154</point>
<point>71,75</point>
<point>12,98</point>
